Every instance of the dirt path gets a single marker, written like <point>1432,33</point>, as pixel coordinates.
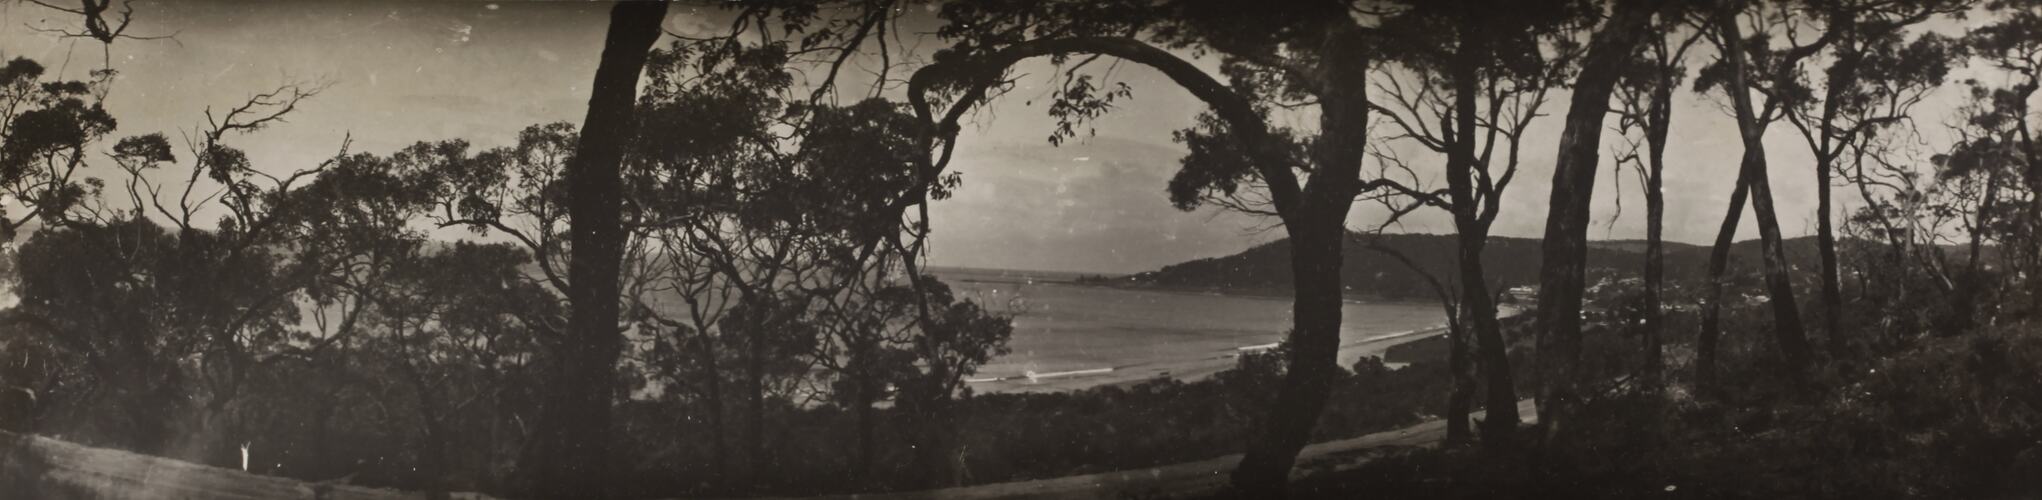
<point>1191,479</point>
<point>40,467</point>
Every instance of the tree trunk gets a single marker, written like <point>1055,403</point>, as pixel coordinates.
<point>1825,243</point>
<point>570,453</point>
<point>1460,401</point>
<point>1843,77</point>
<point>1565,249</point>
<point>1712,308</point>
<point>1964,303</point>
<point>1314,345</point>
<point>1786,311</point>
<point>1659,124</point>
<point>1472,234</point>
<point>1655,277</point>
<point>1317,226</point>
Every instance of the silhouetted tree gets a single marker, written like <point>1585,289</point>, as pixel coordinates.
<point>1482,70</point>
<point>2013,45</point>
<point>1870,47</point>
<point>569,454</point>
<point>1738,76</point>
<point>1238,159</point>
<point>1565,248</point>
<point>1646,98</point>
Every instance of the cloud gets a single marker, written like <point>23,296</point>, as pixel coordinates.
<point>1096,205</point>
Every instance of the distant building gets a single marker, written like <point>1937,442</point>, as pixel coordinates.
<point>1528,294</point>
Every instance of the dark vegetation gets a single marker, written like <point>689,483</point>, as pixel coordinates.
<point>1011,437</point>
<point>715,283</point>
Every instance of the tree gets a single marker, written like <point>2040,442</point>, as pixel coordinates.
<point>2014,46</point>
<point>1237,158</point>
<point>1869,47</point>
<point>570,452</point>
<point>952,338</point>
<point>1565,249</point>
<point>1738,76</point>
<point>1646,97</point>
<point>1483,79</point>
<point>129,382</point>
<point>46,128</point>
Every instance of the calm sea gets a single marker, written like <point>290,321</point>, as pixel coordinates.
<point>1074,336</point>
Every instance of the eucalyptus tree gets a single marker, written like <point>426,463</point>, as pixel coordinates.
<point>570,451</point>
<point>1565,248</point>
<point>1316,52</point>
<point>1478,71</point>
<point>1872,67</point>
<point>1646,106</point>
<point>47,130</point>
<point>1743,66</point>
<point>2012,46</point>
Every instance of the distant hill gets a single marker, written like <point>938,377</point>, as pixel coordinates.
<point>1508,262</point>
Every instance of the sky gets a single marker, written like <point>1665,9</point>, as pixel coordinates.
<point>402,72</point>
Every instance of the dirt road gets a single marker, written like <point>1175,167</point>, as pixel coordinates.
<point>1190,479</point>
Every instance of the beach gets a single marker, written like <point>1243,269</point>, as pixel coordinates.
<point>1071,336</point>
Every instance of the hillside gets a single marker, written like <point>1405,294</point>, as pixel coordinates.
<point>1509,262</point>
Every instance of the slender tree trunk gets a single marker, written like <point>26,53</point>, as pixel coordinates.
<point>1843,77</point>
<point>1825,243</point>
<point>1964,303</point>
<point>1712,307</point>
<point>1655,231</point>
<point>1317,226</point>
<point>1472,235</point>
<point>570,453</point>
<point>1786,311</point>
<point>1565,249</point>
<point>1658,123</point>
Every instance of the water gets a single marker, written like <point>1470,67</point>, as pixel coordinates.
<point>1112,335</point>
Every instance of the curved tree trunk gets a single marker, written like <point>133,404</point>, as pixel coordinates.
<point>1314,215</point>
<point>1565,249</point>
<point>569,455</point>
<point>1712,307</point>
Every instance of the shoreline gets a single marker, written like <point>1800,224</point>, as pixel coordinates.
<point>1193,369</point>
<point>1111,283</point>
<point>1345,298</point>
